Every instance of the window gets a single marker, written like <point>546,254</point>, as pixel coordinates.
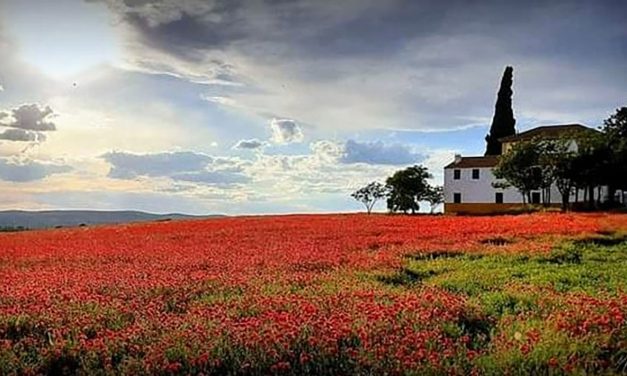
<point>498,197</point>
<point>457,198</point>
<point>535,197</point>
<point>475,173</point>
<point>457,174</point>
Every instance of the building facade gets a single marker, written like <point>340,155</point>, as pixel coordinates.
<point>469,181</point>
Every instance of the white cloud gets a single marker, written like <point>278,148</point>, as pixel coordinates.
<point>285,131</point>
<point>220,178</point>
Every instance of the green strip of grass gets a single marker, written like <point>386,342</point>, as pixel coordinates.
<point>591,265</point>
<point>510,296</point>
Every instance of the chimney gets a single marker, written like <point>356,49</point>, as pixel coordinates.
<point>458,158</point>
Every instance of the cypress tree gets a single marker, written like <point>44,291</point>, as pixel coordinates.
<point>503,123</point>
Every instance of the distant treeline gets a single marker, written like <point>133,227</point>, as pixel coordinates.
<point>13,228</point>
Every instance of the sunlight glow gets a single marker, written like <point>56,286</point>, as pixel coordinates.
<point>60,40</point>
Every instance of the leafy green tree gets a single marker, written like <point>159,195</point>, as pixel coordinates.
<point>370,194</point>
<point>434,196</point>
<point>590,164</point>
<point>557,161</point>
<point>406,188</point>
<point>503,122</point>
<point>615,133</point>
<point>520,168</point>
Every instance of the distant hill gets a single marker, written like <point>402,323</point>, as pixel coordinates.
<point>69,218</point>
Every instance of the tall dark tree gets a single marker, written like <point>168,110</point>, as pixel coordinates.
<point>503,123</point>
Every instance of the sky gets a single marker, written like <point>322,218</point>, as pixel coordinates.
<point>279,106</point>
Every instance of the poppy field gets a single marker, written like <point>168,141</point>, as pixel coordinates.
<point>319,294</point>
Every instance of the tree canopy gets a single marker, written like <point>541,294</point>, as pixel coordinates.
<point>599,160</point>
<point>407,188</point>
<point>370,194</point>
<point>520,168</point>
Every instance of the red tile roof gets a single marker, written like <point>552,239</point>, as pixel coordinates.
<point>474,162</point>
<point>547,132</point>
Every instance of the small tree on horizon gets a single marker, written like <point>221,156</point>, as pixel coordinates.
<point>503,122</point>
<point>370,194</point>
<point>407,188</point>
<point>434,196</point>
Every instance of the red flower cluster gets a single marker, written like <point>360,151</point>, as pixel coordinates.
<point>284,294</point>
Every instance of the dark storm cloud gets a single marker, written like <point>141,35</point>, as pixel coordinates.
<point>15,171</point>
<point>391,64</point>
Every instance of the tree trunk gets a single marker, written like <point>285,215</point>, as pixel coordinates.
<point>611,192</point>
<point>565,198</point>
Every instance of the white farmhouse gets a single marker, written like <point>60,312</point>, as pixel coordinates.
<point>468,181</point>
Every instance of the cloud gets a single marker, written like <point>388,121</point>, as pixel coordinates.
<point>1,88</point>
<point>15,171</point>
<point>285,131</point>
<point>374,153</point>
<point>249,144</point>
<point>378,153</point>
<point>16,134</point>
<point>30,117</point>
<point>129,166</point>
<point>158,12</point>
<point>441,66</point>
<point>179,166</point>
<point>221,178</point>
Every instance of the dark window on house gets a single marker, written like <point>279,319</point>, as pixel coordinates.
<point>457,174</point>
<point>475,173</point>
<point>457,198</point>
<point>498,197</point>
<point>535,197</point>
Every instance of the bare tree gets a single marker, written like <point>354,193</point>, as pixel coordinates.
<point>370,194</point>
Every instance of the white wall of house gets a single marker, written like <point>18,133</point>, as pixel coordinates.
<point>476,190</point>
<point>481,190</point>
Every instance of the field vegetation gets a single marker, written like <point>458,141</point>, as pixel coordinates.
<point>319,294</point>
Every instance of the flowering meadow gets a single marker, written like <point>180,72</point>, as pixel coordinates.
<point>319,294</point>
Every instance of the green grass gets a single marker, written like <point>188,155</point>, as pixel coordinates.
<point>592,266</point>
<point>512,295</point>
